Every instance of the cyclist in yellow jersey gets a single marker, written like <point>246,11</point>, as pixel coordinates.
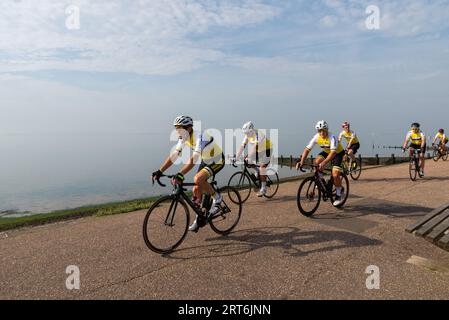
<point>351,138</point>
<point>261,150</point>
<point>212,162</point>
<point>416,140</point>
<point>443,140</point>
<point>332,152</point>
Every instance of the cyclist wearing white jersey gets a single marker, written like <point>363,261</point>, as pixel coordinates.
<point>332,152</point>
<point>416,140</point>
<point>204,149</point>
<point>443,140</point>
<point>353,143</point>
<point>261,150</point>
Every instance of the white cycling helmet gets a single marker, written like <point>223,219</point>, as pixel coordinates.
<point>184,121</point>
<point>322,125</point>
<point>248,127</point>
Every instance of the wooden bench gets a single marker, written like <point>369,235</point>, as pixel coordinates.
<point>434,227</point>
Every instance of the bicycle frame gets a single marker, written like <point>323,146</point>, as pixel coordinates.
<point>325,188</point>
<point>246,166</point>
<point>179,192</point>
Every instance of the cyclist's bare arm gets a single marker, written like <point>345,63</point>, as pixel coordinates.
<point>407,139</point>
<point>350,143</point>
<point>170,160</point>
<point>190,164</point>
<point>240,151</point>
<point>304,156</point>
<point>423,143</point>
<point>329,158</point>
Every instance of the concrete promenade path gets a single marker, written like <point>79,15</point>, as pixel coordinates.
<point>274,253</point>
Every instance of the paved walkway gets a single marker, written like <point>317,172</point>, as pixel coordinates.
<point>275,253</point>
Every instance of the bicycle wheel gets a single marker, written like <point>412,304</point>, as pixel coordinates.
<point>345,190</point>
<point>272,183</point>
<point>309,197</point>
<point>231,211</point>
<point>412,170</point>
<point>242,183</point>
<point>356,169</point>
<point>436,155</point>
<point>166,224</point>
<point>445,156</point>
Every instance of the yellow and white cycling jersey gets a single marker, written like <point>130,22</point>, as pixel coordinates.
<point>348,136</point>
<point>327,145</point>
<point>259,139</point>
<point>416,139</point>
<point>441,137</point>
<point>202,144</point>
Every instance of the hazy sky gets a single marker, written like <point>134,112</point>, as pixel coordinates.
<point>132,66</point>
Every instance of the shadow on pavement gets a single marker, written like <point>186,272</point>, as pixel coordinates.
<point>405,178</point>
<point>376,206</point>
<point>289,239</point>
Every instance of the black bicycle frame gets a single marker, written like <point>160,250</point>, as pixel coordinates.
<point>325,187</point>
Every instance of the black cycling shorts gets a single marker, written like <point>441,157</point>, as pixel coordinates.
<point>212,169</point>
<point>355,147</point>
<point>337,161</point>
<point>418,148</point>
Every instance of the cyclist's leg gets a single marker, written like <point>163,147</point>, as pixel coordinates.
<point>422,156</point>
<point>264,161</point>
<point>345,158</point>
<point>202,186</point>
<point>411,150</point>
<point>336,174</point>
<point>320,158</point>
<point>212,170</point>
<point>351,153</point>
<point>337,169</point>
<point>354,149</point>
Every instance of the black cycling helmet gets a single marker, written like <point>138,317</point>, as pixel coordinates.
<point>416,125</point>
<point>441,131</point>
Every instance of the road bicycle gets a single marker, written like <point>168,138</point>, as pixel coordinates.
<point>246,180</point>
<point>352,168</point>
<point>437,154</point>
<point>167,222</point>
<point>414,166</point>
<point>315,188</point>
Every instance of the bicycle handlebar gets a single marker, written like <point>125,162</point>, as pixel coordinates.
<point>314,166</point>
<point>158,180</point>
<point>246,164</point>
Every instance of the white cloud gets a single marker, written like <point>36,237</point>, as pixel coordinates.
<point>329,21</point>
<point>147,36</point>
<point>401,18</point>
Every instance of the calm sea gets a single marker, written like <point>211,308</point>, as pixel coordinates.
<point>47,172</point>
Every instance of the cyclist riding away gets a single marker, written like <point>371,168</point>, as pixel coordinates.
<point>332,152</point>
<point>443,140</point>
<point>417,140</point>
<point>353,143</point>
<point>206,152</point>
<point>261,150</point>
